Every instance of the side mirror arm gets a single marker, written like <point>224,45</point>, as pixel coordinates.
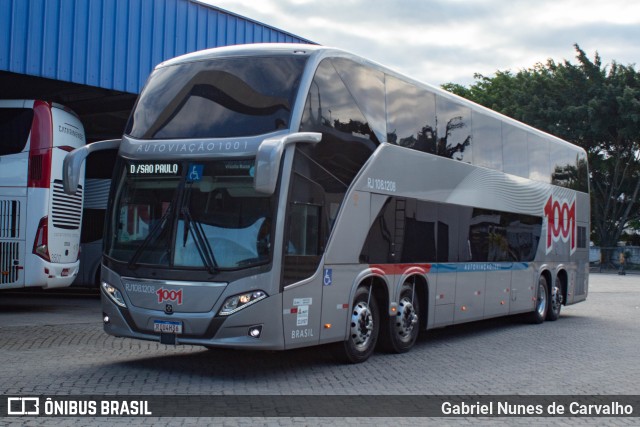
<point>72,164</point>
<point>270,154</point>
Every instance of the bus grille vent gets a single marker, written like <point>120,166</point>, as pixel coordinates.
<point>9,219</point>
<point>8,256</point>
<point>66,210</point>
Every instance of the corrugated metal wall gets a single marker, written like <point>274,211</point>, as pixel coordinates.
<point>114,44</point>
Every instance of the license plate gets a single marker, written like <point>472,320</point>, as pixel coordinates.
<point>167,327</point>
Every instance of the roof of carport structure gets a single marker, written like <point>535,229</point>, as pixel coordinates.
<point>94,57</point>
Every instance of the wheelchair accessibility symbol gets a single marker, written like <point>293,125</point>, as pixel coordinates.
<point>194,173</point>
<point>327,278</point>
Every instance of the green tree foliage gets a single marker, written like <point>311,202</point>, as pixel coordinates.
<point>594,106</point>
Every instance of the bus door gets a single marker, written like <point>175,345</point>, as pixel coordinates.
<point>302,254</point>
<point>307,222</point>
<point>15,126</point>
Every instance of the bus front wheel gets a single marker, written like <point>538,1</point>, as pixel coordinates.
<point>364,324</point>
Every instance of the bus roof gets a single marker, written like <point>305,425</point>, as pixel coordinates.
<point>321,52</point>
<point>256,49</point>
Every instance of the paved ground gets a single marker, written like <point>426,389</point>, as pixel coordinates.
<point>53,344</point>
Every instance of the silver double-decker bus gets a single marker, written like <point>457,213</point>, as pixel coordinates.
<point>281,196</point>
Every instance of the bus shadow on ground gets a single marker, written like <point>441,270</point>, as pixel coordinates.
<point>255,364</point>
<point>482,327</point>
<point>7,308</point>
<point>234,364</point>
<point>54,301</point>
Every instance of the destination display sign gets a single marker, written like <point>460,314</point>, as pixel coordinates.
<point>154,169</point>
<point>194,171</point>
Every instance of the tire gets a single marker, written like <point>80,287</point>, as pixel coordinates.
<point>400,332</point>
<point>542,302</point>
<point>555,303</point>
<point>363,327</point>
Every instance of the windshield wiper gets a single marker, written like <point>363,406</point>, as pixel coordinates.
<point>200,240</point>
<point>156,230</point>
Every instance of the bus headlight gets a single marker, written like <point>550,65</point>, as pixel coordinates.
<point>114,294</point>
<point>240,301</point>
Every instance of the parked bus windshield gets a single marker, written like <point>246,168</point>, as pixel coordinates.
<point>208,216</point>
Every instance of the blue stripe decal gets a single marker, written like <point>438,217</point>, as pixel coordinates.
<point>478,266</point>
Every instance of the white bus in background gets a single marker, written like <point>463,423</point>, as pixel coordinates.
<point>39,223</point>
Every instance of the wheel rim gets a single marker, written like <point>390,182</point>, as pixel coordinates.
<point>406,320</point>
<point>542,300</point>
<point>361,325</point>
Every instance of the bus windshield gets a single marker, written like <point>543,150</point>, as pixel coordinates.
<point>203,215</point>
<point>244,96</point>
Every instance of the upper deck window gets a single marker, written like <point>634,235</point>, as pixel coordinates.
<point>221,98</point>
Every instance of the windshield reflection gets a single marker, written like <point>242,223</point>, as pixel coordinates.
<point>221,98</point>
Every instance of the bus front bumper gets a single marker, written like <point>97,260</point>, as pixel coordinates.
<point>235,331</point>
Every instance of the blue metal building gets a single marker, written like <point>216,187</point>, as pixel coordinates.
<point>95,55</point>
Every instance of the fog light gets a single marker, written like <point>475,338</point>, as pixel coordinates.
<point>255,331</point>
<point>105,319</point>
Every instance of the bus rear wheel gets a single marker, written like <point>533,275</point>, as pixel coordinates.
<point>542,302</point>
<point>400,333</point>
<point>364,324</point>
<point>555,304</point>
